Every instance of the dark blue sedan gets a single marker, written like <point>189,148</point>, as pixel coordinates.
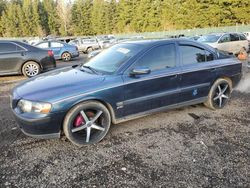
<point>127,81</point>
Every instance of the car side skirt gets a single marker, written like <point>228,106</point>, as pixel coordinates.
<point>169,107</point>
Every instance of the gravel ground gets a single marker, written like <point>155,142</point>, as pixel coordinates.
<point>186,147</point>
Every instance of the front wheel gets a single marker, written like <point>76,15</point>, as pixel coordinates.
<point>219,94</point>
<point>66,56</point>
<point>87,123</point>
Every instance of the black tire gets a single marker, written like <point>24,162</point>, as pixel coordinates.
<point>66,56</point>
<point>94,119</point>
<point>219,94</point>
<point>90,49</point>
<point>31,69</point>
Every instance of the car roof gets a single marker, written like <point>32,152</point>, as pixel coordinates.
<point>152,42</point>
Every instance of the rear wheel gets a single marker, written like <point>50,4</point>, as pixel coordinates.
<point>31,69</point>
<point>66,56</point>
<point>219,94</point>
<point>87,123</point>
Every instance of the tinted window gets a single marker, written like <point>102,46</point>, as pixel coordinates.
<point>8,47</point>
<point>160,57</point>
<point>243,37</point>
<point>225,38</point>
<point>234,37</point>
<point>56,45</point>
<point>192,55</point>
<point>43,45</point>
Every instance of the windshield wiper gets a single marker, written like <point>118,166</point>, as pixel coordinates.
<point>91,68</point>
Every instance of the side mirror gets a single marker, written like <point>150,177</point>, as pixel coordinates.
<point>140,71</point>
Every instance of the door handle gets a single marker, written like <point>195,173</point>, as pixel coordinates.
<point>22,53</point>
<point>213,69</point>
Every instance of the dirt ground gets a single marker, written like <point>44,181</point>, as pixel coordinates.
<point>186,147</point>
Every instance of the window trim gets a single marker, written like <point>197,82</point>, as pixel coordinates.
<point>24,49</point>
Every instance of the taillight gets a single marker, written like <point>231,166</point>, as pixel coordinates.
<point>50,53</point>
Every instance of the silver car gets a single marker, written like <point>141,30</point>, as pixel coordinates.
<point>229,42</point>
<point>86,45</point>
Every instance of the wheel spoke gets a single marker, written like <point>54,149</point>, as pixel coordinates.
<point>219,88</point>
<point>224,96</point>
<point>79,128</point>
<point>220,102</point>
<point>94,126</point>
<point>86,119</point>
<point>88,134</point>
<point>98,114</point>
<point>216,98</point>
<point>224,89</point>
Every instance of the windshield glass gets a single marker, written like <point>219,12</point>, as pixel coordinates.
<point>209,38</point>
<point>110,60</point>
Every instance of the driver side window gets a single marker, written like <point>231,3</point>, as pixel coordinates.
<point>158,58</point>
<point>225,38</point>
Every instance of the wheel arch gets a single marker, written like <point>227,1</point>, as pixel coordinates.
<point>103,102</point>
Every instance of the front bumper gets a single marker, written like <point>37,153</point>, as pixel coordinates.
<point>42,127</point>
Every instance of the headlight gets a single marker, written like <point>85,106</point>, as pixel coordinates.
<point>35,107</point>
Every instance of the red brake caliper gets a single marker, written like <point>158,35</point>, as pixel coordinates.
<point>78,121</point>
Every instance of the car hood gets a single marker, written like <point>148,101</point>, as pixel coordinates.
<point>58,84</point>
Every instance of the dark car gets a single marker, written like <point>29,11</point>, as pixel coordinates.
<point>60,49</point>
<point>126,81</point>
<point>21,58</point>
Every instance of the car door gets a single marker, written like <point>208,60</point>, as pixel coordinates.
<point>224,43</point>
<point>157,89</point>
<point>56,47</point>
<point>198,72</point>
<point>11,57</point>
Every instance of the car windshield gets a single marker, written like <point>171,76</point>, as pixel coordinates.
<point>110,60</point>
<point>209,38</point>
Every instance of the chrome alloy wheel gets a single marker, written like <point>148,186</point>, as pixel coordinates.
<point>222,94</point>
<point>87,123</point>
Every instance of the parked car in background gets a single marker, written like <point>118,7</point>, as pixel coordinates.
<point>126,81</point>
<point>86,45</point>
<point>61,50</point>
<point>229,42</point>
<point>21,58</point>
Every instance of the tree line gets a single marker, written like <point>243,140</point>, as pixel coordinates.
<point>19,18</point>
